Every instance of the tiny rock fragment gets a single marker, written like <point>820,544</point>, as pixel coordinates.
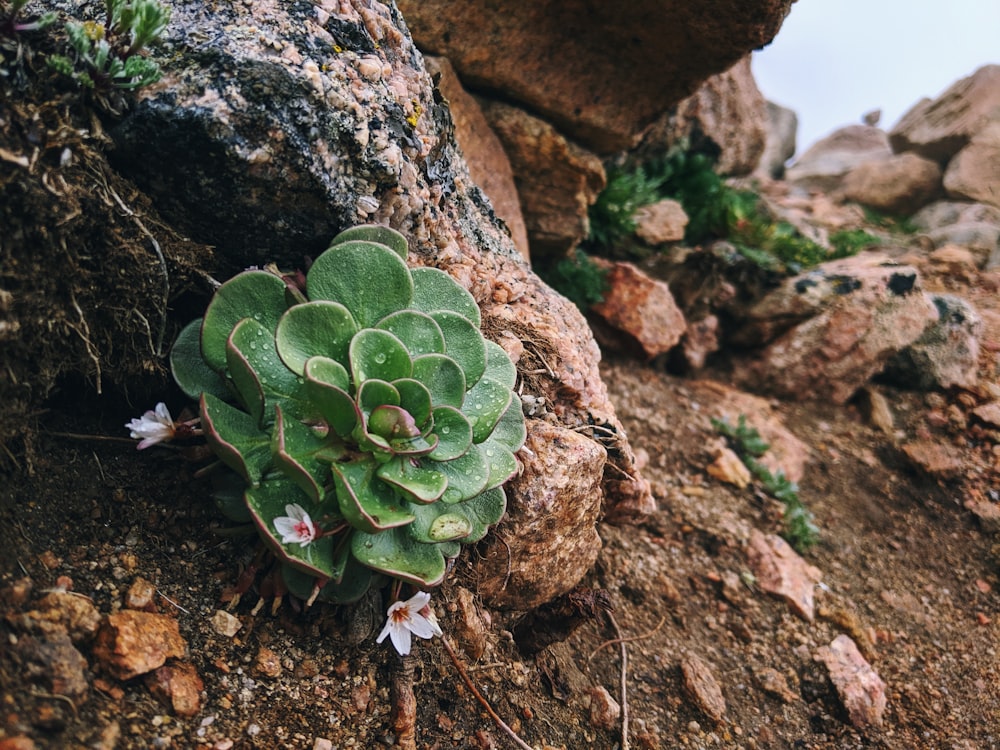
<point>470,626</point>
<point>266,663</point>
<point>877,410</point>
<point>988,413</point>
<point>131,643</point>
<point>322,743</point>
<point>178,686</point>
<point>54,661</point>
<point>727,467</point>
<point>702,687</point>
<point>937,459</point>
<point>773,683</point>
<point>140,595</point>
<point>860,688</point>
<point>49,560</point>
<point>604,710</point>
<point>21,742</point>
<point>225,624</point>
<point>780,571</point>
<point>61,612</point>
<point>17,593</point>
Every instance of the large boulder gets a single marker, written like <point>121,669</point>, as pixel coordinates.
<point>271,131</point>
<point>939,128</point>
<point>899,185</point>
<point>826,162</point>
<point>972,174</point>
<point>601,72</point>
<point>779,142</point>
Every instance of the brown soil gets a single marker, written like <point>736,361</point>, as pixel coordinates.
<point>906,571</point>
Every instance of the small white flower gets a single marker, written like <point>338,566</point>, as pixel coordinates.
<point>412,616</point>
<point>297,526</point>
<point>153,427</point>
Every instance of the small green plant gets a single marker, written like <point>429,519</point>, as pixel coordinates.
<point>370,423</point>
<point>108,56</point>
<point>612,216</point>
<point>848,242</point>
<point>577,278</point>
<point>11,24</point>
<point>800,527</point>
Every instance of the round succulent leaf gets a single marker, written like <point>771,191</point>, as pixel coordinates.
<point>442,377</point>
<point>413,447</point>
<point>392,423</point>
<point>449,549</point>
<point>510,430</point>
<point>376,354</point>
<point>229,500</point>
<point>484,404</point>
<point>467,521</point>
<point>369,279</point>
<point>354,582</point>
<point>268,502</point>
<point>326,384</point>
<point>375,393</point>
<point>433,289</point>
<point>418,484</point>
<point>397,554</point>
<point>467,475</point>
<point>315,328</point>
<point>189,369</point>
<point>297,450</point>
<point>499,366</point>
<point>236,438</point>
<point>252,294</point>
<point>374,233</point>
<point>453,431</point>
<point>418,331</point>
<point>367,503</point>
<point>416,399</point>
<point>257,370</point>
<point>501,462</point>
<point>484,510</point>
<point>464,343</point>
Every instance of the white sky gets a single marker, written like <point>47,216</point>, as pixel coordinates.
<point>834,60</point>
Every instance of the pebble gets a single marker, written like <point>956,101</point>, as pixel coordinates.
<point>225,624</point>
<point>861,690</point>
<point>267,663</point>
<point>604,710</point>
<point>178,686</point>
<point>140,595</point>
<point>703,688</point>
<point>780,571</point>
<point>130,643</point>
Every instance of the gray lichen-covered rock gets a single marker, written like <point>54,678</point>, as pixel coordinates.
<point>600,72</point>
<point>277,125</point>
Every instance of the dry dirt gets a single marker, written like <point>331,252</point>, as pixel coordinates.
<point>906,570</point>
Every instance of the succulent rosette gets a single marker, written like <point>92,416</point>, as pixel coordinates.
<point>368,413</point>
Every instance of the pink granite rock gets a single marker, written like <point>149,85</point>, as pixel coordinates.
<point>861,690</point>
<point>780,571</point>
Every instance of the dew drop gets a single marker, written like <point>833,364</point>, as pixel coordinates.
<point>260,332</point>
<point>479,407</point>
<point>380,358</point>
<point>253,344</point>
<point>489,452</point>
<point>445,430</point>
<point>256,316</point>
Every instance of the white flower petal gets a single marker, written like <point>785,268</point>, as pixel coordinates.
<point>400,635</point>
<point>420,626</point>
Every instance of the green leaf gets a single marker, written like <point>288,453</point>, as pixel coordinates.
<point>375,393</point>
<point>269,501</point>
<point>419,332</point>
<point>258,371</point>
<point>297,451</point>
<point>326,384</point>
<point>397,554</point>
<point>251,294</point>
<point>433,290</point>
<point>189,369</point>
<point>369,279</point>
<point>417,483</point>
<point>442,377</point>
<point>367,503</point>
<point>467,475</point>
<point>374,233</point>
<point>415,398</point>
<point>468,520</point>
<point>500,461</point>
<point>484,510</point>
<point>463,343</point>
<point>453,431</point>
<point>354,581</point>
<point>510,431</point>
<point>498,365</point>
<point>236,438</point>
<point>376,354</point>
<point>484,404</point>
<point>315,328</point>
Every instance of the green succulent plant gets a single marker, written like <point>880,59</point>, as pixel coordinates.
<point>371,423</point>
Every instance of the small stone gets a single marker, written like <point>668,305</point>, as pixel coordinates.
<point>877,410</point>
<point>727,467</point>
<point>988,414</point>
<point>140,595</point>
<point>937,459</point>
<point>49,560</point>
<point>470,626</point>
<point>62,612</point>
<point>860,688</point>
<point>56,663</point>
<point>17,593</point>
<point>178,686</point>
<point>661,222</point>
<point>225,624</point>
<point>773,683</point>
<point>267,663</point>
<point>604,710</point>
<point>20,742</point>
<point>780,571</point>
<point>131,643</point>
<point>322,743</point>
<point>702,687</point>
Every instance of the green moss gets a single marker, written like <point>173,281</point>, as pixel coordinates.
<point>577,278</point>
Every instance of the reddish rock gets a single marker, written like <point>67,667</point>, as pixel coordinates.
<point>548,540</point>
<point>727,467</point>
<point>600,72</point>
<point>177,686</point>
<point>61,612</point>
<point>953,261</point>
<point>140,595</point>
<point>604,710</point>
<point>824,164</point>
<point>861,690</point>
<point>937,129</point>
<point>54,661</point>
<point>703,688</point>
<point>972,173</point>
<point>267,663</point>
<point>661,222</point>
<point>483,151</point>
<point>131,643</point>
<point>988,413</point>
<point>780,571</point>
<point>470,626</point>
<point>21,742</point>
<point>557,180</point>
<point>937,459</point>
<point>773,683</point>
<point>899,185</point>
<point>640,307</point>
<point>700,340</point>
